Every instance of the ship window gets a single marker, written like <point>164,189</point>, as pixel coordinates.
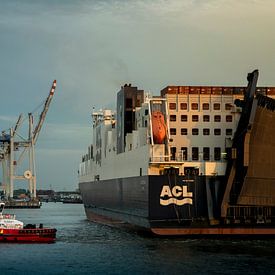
<point>194,106</point>
<point>205,106</point>
<point>183,117</point>
<point>195,131</point>
<point>195,153</point>
<point>229,132</point>
<point>217,153</point>
<point>206,153</point>
<point>229,119</point>
<point>206,118</point>
<point>217,118</point>
<point>195,118</point>
<point>228,106</point>
<point>172,106</point>
<point>217,132</point>
<point>206,132</point>
<point>183,106</point>
<point>173,117</point>
<point>217,106</point>
<point>184,152</point>
<point>173,131</point>
<point>183,131</point>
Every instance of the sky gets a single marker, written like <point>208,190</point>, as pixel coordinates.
<point>93,47</point>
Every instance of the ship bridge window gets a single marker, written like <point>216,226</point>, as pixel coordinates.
<point>173,118</point>
<point>206,118</point>
<point>217,153</point>
<point>195,153</point>
<point>195,131</point>
<point>206,132</point>
<point>194,106</point>
<point>183,131</point>
<point>228,106</point>
<point>206,153</point>
<point>173,131</point>
<point>183,117</point>
<point>183,106</point>
<point>228,118</point>
<point>195,118</point>
<point>205,106</point>
<point>172,106</point>
<point>217,118</point>
<point>217,132</point>
<point>228,132</point>
<point>217,106</point>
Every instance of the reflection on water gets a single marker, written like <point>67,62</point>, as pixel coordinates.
<point>84,247</point>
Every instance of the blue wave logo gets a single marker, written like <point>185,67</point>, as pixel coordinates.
<point>178,195</point>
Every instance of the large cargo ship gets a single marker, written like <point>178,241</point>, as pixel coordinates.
<point>194,161</point>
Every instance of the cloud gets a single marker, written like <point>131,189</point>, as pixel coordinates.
<point>58,152</point>
<point>11,119</point>
<point>94,47</point>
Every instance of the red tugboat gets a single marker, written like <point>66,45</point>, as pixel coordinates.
<point>12,230</point>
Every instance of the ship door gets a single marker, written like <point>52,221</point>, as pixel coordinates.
<point>173,153</point>
<point>171,171</point>
<point>191,171</point>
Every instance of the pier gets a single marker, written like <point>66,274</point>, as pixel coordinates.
<point>22,204</point>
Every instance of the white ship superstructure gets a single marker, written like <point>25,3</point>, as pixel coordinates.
<point>201,123</point>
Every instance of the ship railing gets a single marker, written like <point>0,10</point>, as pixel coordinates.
<point>248,212</point>
<point>8,216</point>
<point>181,159</point>
<point>166,158</point>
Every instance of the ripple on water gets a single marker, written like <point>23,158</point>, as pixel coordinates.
<point>85,247</point>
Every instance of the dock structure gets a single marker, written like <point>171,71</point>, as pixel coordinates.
<point>13,150</point>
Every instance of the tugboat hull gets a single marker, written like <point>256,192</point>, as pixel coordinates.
<point>45,235</point>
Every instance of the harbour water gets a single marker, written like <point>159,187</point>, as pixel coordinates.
<point>83,247</point>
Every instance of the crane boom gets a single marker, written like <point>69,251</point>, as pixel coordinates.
<point>18,123</point>
<point>43,113</point>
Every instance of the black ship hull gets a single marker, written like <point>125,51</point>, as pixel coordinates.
<point>170,205</point>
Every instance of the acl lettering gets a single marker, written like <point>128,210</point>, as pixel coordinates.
<point>176,195</point>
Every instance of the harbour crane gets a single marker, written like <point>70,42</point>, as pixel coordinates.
<point>12,142</point>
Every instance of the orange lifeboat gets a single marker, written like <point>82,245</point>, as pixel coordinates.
<point>159,127</point>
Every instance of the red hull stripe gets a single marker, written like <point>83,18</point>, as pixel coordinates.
<point>214,231</point>
<point>28,235</point>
